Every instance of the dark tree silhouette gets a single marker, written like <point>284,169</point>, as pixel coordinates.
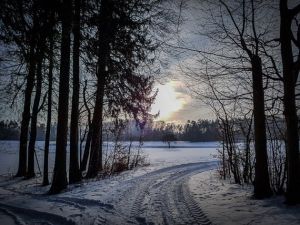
<point>169,138</point>
<point>31,147</point>
<point>49,92</point>
<point>23,26</point>
<point>60,175</point>
<point>290,77</point>
<point>104,35</point>
<point>74,172</point>
<point>123,44</point>
<point>89,134</point>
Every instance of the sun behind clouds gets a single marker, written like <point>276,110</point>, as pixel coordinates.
<point>167,100</point>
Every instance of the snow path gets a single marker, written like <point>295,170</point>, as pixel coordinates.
<point>158,197</point>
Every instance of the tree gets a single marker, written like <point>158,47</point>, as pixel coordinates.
<point>49,92</point>
<point>11,28</point>
<point>31,147</point>
<point>104,36</point>
<point>74,172</point>
<point>89,134</point>
<point>290,69</point>
<point>60,175</point>
<point>169,138</point>
<point>124,49</point>
<point>41,46</point>
<point>25,31</point>
<point>241,38</point>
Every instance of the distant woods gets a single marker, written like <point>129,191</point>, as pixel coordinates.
<point>193,131</point>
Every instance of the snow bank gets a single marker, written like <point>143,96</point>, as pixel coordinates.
<point>226,203</point>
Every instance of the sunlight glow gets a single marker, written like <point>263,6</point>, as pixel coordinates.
<point>168,100</point>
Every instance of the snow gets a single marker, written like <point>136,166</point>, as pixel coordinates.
<point>180,186</point>
<point>226,203</point>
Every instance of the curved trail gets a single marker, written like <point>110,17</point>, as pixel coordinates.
<point>158,197</point>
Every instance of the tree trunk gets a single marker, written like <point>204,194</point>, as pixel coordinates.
<point>26,115</point>
<point>60,175</point>
<point>290,112</point>
<point>89,135</point>
<point>74,172</point>
<point>262,183</point>
<point>31,147</point>
<point>86,150</point>
<point>49,114</point>
<point>95,163</point>
<point>48,128</point>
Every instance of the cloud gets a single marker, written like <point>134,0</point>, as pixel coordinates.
<point>170,99</point>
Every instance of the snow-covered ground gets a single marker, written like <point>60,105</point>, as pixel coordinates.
<point>180,186</point>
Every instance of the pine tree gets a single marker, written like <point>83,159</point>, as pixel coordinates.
<point>74,172</point>
<point>60,175</point>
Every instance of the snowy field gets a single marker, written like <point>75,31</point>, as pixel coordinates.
<point>157,152</point>
<point>180,186</point>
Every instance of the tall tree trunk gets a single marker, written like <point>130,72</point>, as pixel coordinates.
<point>49,115</point>
<point>262,187</point>
<point>89,135</point>
<point>27,99</point>
<point>60,174</point>
<point>26,115</point>
<point>289,99</point>
<point>86,149</point>
<point>74,172</point>
<point>95,163</point>
<point>31,147</point>
<point>48,126</point>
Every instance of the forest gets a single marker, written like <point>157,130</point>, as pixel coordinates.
<point>90,68</point>
<point>193,131</point>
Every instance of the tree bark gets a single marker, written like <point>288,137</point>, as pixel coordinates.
<point>60,175</point>
<point>26,115</point>
<point>86,152</point>
<point>290,112</point>
<point>48,126</point>
<point>31,147</point>
<point>262,187</point>
<point>95,163</point>
<point>74,172</point>
<point>89,135</point>
<point>49,111</point>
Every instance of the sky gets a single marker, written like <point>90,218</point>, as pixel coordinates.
<point>173,101</point>
<point>175,105</point>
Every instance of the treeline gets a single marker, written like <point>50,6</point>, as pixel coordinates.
<point>193,131</point>
<point>10,130</point>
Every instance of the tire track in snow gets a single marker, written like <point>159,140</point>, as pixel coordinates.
<point>161,196</point>
<point>24,216</point>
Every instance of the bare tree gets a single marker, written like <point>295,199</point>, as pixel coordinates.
<point>236,28</point>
